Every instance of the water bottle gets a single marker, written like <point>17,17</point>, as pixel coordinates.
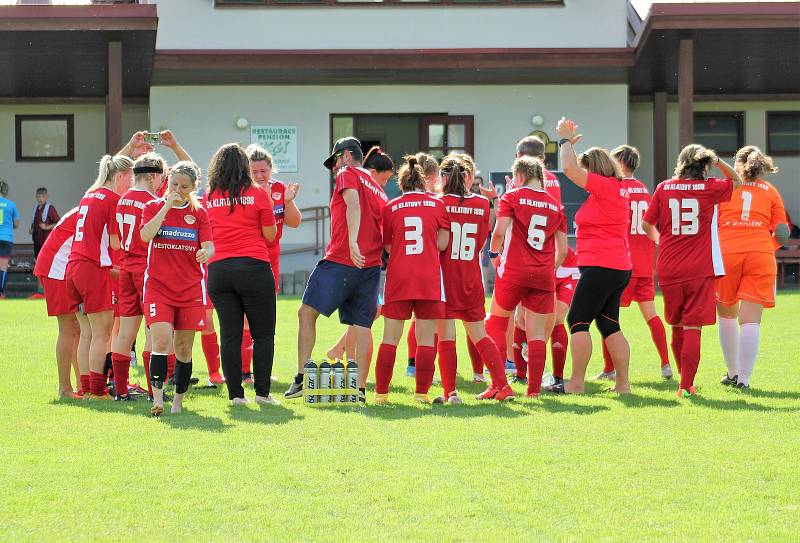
<point>352,379</point>
<point>324,380</point>
<point>311,379</point>
<point>339,380</point>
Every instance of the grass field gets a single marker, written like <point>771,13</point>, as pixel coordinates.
<point>721,466</point>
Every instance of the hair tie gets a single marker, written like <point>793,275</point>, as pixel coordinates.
<point>148,169</point>
<point>377,150</point>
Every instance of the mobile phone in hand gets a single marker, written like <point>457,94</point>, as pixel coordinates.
<point>152,137</point>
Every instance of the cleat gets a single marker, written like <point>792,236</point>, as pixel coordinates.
<point>422,398</point>
<point>606,375</point>
<point>240,401</point>
<point>124,398</point>
<point>666,371</point>
<point>381,399</point>
<point>487,394</point>
<point>266,400</point>
<point>686,392</point>
<point>452,399</point>
<point>532,395</point>
<point>692,390</point>
<point>505,395</point>
<point>411,371</point>
<point>216,379</point>
<point>247,379</point>
<point>510,367</point>
<point>295,391</point>
<point>729,381</point>
<point>96,397</point>
<point>742,386</point>
<point>559,380</point>
<point>157,410</point>
<point>478,378</point>
<point>519,380</point>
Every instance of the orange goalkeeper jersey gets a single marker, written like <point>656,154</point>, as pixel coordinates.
<point>747,221</point>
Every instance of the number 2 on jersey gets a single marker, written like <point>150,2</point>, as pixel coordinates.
<point>82,211</point>
<point>684,216</point>
<point>122,220</point>
<point>414,235</point>
<point>463,246</point>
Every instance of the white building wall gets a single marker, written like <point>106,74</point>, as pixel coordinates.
<point>755,133</point>
<point>196,24</point>
<point>65,181</point>
<point>204,118</point>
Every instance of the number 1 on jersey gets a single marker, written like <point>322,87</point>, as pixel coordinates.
<point>122,220</point>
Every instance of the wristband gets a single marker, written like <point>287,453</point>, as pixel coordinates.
<point>492,254</point>
<point>562,141</point>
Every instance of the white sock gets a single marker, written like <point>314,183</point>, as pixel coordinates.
<point>729,339</point>
<point>748,350</point>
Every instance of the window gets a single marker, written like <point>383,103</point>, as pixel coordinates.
<point>412,3</point>
<point>45,138</point>
<point>783,133</point>
<point>445,134</point>
<point>721,131</point>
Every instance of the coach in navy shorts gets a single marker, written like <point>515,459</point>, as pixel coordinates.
<point>347,278</point>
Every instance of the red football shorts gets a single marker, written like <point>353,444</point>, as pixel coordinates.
<point>508,295</point>
<point>565,288</point>
<point>129,296</point>
<point>401,310</point>
<point>55,295</point>
<point>748,276</point>
<point>639,289</point>
<point>181,318</point>
<point>474,314</point>
<point>691,303</point>
<point>90,285</point>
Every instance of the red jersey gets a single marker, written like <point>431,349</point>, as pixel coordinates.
<point>133,251</point>
<point>277,192</point>
<point>173,275</point>
<point>411,224</point>
<point>552,186</point>
<point>641,247</point>
<point>96,221</point>
<point>461,261</point>
<point>685,213</point>
<point>528,257</point>
<point>372,199</point>
<point>602,224</point>
<point>54,254</point>
<point>237,232</point>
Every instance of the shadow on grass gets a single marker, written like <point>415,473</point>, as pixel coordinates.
<point>738,405</point>
<point>663,385</point>
<point>190,420</point>
<point>268,414</point>
<point>404,411</point>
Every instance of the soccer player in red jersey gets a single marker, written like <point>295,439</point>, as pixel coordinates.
<point>468,215</point>
<point>682,218</point>
<point>641,288</point>
<point>415,229</point>
<point>603,258</point>
<point>50,269</point>
<point>532,248</point>
<point>179,234</point>
<point>88,272</point>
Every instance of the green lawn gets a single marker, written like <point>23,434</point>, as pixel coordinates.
<point>721,466</point>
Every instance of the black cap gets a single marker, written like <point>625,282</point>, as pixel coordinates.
<point>349,143</point>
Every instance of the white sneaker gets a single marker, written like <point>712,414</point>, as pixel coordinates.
<point>240,401</point>
<point>606,375</point>
<point>266,400</point>
<point>666,371</point>
<point>478,378</point>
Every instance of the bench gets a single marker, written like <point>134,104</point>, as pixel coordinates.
<point>788,255</point>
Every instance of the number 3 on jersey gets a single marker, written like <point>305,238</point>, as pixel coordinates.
<point>414,235</point>
<point>463,245</point>
<point>684,216</point>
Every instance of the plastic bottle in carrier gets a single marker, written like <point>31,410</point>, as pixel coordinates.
<point>311,378</point>
<point>352,379</point>
<point>324,380</point>
<point>339,381</point>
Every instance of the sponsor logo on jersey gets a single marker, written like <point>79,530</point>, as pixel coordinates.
<point>276,195</point>
<point>189,219</point>
<point>201,323</point>
<point>177,233</point>
<point>278,210</point>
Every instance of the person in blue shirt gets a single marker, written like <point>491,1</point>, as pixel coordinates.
<point>9,220</point>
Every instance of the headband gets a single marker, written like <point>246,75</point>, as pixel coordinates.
<point>148,169</point>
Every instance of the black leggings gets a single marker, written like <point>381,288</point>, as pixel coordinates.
<point>597,299</point>
<point>239,287</point>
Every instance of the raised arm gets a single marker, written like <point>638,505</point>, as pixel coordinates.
<point>567,130</point>
<point>728,172</point>
<point>168,139</point>
<point>291,214</point>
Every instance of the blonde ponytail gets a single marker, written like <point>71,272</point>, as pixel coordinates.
<point>109,166</point>
<point>753,164</point>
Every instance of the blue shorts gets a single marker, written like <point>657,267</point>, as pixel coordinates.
<point>5,248</point>
<point>353,291</point>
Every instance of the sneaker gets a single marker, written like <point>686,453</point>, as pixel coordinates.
<point>411,371</point>
<point>193,380</point>
<point>216,379</point>
<point>742,386</point>
<point>124,398</point>
<point>295,391</point>
<point>686,392</point>
<point>266,400</point>
<point>729,381</point>
<point>478,378</point>
<point>519,380</point>
<point>510,367</point>
<point>240,401</point>
<point>558,380</point>
<point>422,398</point>
<point>452,399</point>
<point>505,395</point>
<point>247,378</point>
<point>487,394</point>
<point>666,371</point>
<point>381,399</point>
<point>607,375</point>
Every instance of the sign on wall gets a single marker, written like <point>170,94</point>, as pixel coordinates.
<point>281,142</point>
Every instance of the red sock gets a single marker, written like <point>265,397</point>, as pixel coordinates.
<point>86,385</point>
<point>494,361</point>
<point>690,357</point>
<point>247,350</point>
<point>211,352</point>
<point>659,336</point>
<point>384,367</point>
<point>496,329</point>
<point>608,363</point>
<point>537,356</point>
<point>170,365</point>
<point>448,362</point>
<point>677,345</point>
<point>425,361</point>
<point>97,383</point>
<point>559,341</point>
<point>519,340</point>
<point>474,357</point>
<point>146,364</point>
<point>411,339</point>
<point>121,365</point>
<point>435,340</point>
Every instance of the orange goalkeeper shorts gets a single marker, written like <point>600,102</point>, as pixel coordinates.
<point>748,276</point>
